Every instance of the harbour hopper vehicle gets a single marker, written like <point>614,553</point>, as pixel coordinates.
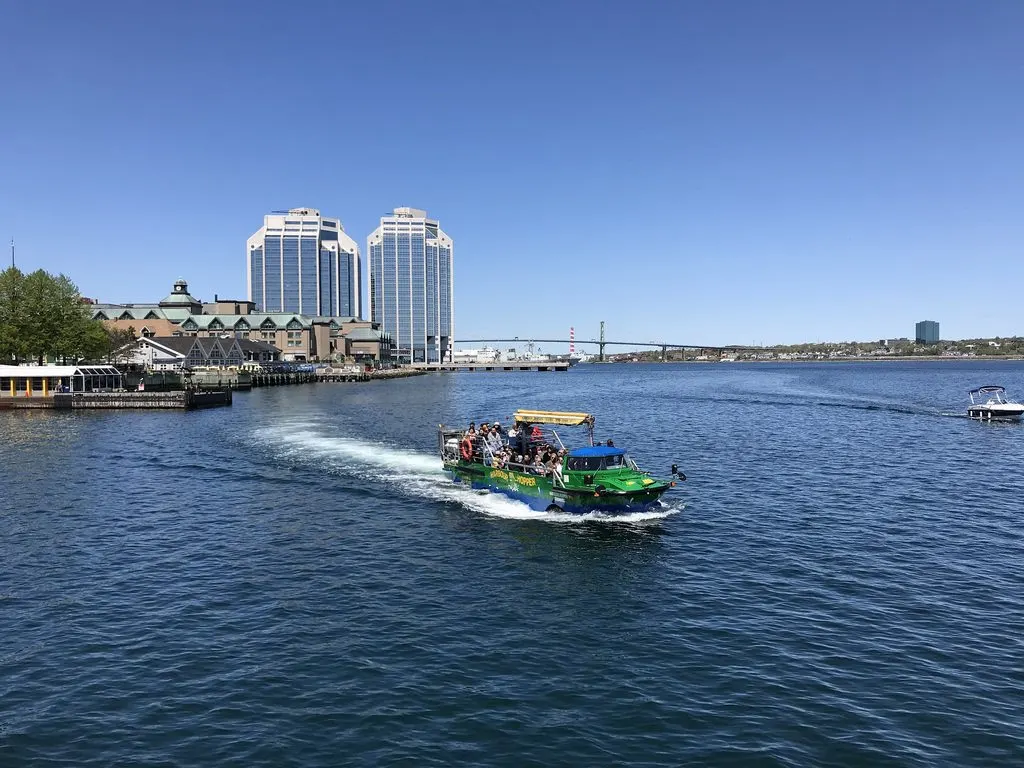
<point>531,464</point>
<point>991,404</point>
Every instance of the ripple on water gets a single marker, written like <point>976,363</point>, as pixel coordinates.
<point>293,580</point>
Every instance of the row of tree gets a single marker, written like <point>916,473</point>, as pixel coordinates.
<point>43,316</point>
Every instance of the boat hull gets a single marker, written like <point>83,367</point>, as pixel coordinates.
<point>1009,412</point>
<point>539,493</point>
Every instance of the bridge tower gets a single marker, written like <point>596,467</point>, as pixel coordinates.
<point>600,353</point>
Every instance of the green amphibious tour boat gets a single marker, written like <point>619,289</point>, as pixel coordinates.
<point>530,463</point>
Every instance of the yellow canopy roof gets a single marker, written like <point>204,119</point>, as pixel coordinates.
<point>553,417</point>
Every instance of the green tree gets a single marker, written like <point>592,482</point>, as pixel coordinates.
<point>43,316</point>
<point>117,339</point>
<point>12,345</point>
<point>95,342</point>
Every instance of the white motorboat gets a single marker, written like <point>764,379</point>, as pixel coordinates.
<point>991,404</point>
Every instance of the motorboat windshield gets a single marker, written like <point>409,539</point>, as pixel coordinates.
<point>993,393</point>
<point>596,458</point>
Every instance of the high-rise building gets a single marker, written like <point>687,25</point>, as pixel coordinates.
<point>927,332</point>
<point>299,261</point>
<point>411,288</point>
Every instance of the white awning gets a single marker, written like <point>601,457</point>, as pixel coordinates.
<point>54,371</point>
<point>37,371</point>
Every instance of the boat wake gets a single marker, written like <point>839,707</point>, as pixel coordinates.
<point>419,474</point>
<point>817,402</point>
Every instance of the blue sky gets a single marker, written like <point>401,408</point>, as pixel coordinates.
<point>691,172</point>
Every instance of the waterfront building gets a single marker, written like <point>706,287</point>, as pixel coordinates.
<point>173,353</point>
<point>927,332</point>
<point>169,353</point>
<point>221,306</point>
<point>160,319</point>
<point>300,261</point>
<point>46,380</point>
<point>298,337</point>
<point>411,285</point>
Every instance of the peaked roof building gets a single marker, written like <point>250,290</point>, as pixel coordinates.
<point>298,336</point>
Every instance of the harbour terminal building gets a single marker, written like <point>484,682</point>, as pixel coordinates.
<point>298,337</point>
<point>302,262</point>
<point>411,288</point>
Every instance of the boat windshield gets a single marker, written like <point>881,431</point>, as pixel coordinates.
<point>593,463</point>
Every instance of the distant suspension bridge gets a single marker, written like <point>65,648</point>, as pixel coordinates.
<point>601,343</point>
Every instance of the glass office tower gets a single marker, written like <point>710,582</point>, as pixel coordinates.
<point>927,332</point>
<point>301,262</point>
<point>411,288</point>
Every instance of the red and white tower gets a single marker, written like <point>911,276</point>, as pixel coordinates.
<point>572,340</point>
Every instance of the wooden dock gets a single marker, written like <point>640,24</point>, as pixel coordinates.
<point>180,400</point>
<point>281,379</point>
<point>340,374</point>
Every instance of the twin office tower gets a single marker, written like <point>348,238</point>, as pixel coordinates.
<point>302,262</point>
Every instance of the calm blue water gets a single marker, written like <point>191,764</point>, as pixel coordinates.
<point>292,582</point>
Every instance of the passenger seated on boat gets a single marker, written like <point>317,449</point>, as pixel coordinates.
<point>499,460</point>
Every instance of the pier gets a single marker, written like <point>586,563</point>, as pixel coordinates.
<point>180,400</point>
<point>280,379</point>
<point>341,374</point>
<point>497,365</point>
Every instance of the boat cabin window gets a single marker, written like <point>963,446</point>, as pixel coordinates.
<point>593,463</point>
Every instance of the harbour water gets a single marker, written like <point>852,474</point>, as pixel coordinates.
<point>291,581</point>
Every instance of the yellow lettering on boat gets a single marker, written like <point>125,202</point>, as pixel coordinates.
<point>512,477</point>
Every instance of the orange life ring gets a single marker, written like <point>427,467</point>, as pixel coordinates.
<point>466,448</point>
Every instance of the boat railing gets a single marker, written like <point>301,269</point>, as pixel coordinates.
<point>529,469</point>
<point>485,452</point>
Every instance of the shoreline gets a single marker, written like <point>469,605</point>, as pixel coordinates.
<point>886,359</point>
